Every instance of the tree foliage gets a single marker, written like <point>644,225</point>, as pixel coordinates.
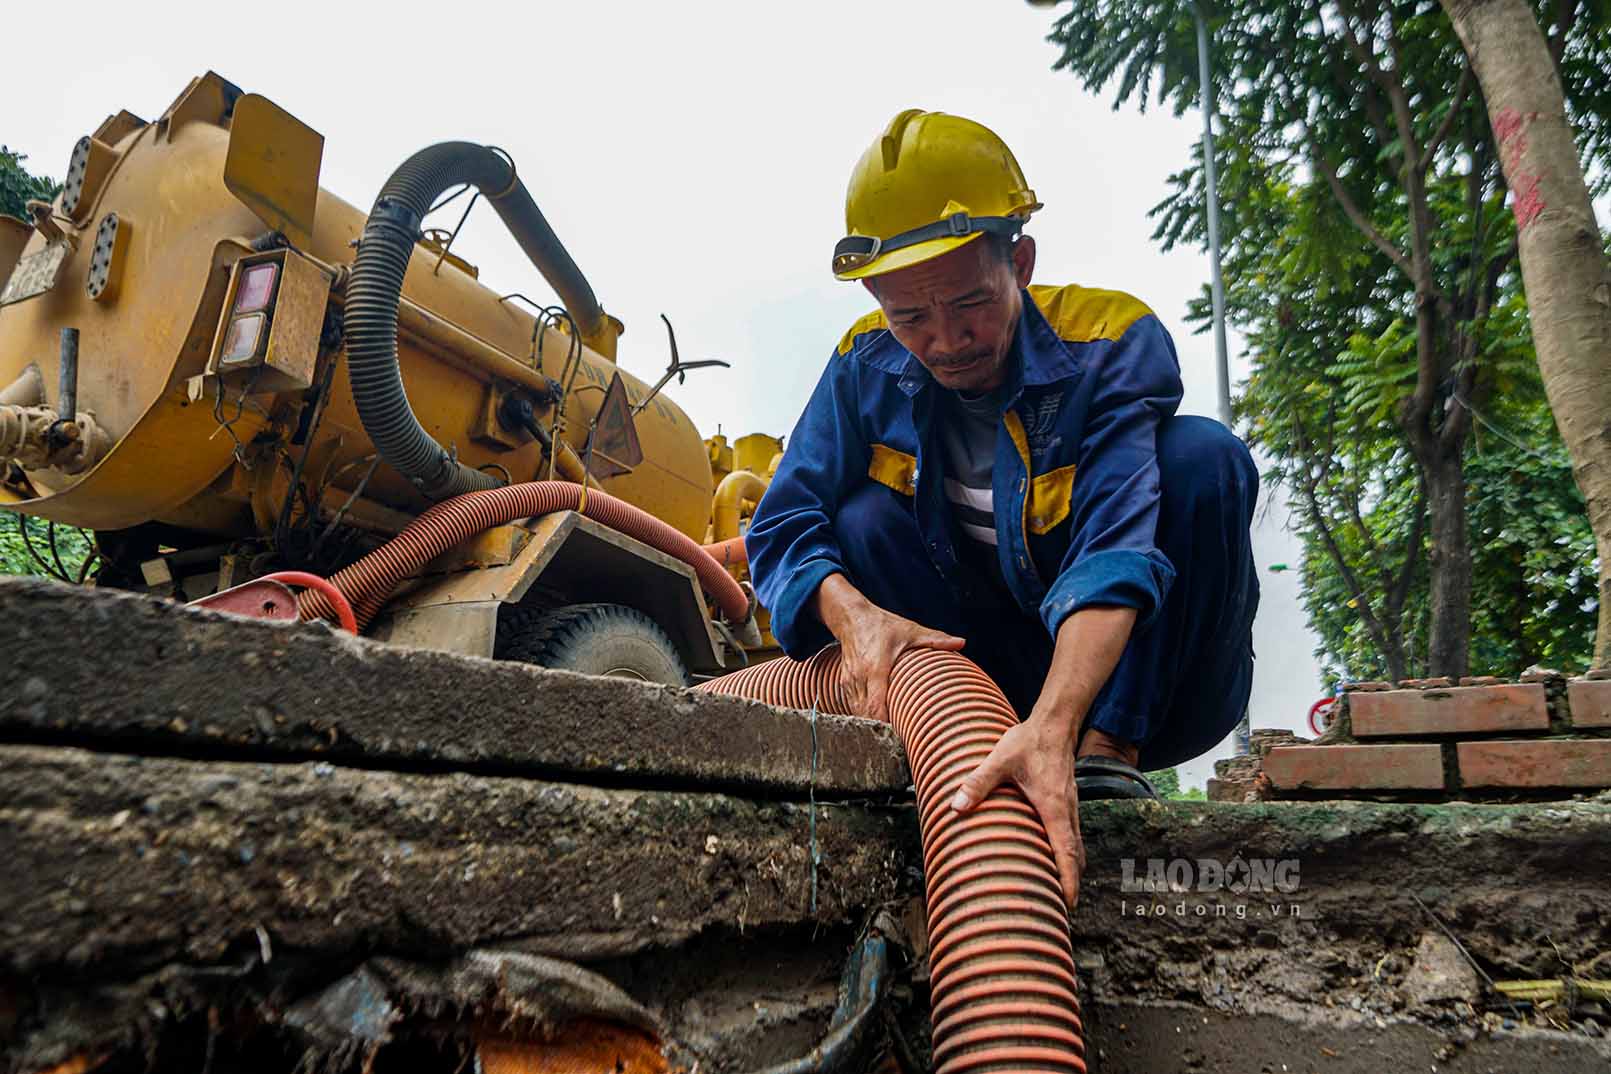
<point>1565,272</point>
<point>1534,591</point>
<point>33,546</point>
<point>1370,266</point>
<point>1167,780</point>
<point>18,187</point>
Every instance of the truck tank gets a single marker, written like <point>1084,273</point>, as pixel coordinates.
<point>151,235</point>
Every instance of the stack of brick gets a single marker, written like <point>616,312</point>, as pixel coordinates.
<point>1242,779</point>
<point>1481,739</point>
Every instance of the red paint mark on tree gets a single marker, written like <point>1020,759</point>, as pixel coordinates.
<point>1528,202</point>
<point>1507,124</point>
<point>1510,129</point>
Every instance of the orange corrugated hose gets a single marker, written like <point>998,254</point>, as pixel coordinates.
<point>729,553</point>
<point>1001,960</point>
<point>370,582</point>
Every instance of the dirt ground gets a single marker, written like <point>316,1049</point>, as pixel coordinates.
<point>251,877</point>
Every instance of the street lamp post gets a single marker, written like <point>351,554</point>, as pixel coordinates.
<point>1242,738</point>
<point>1243,733</point>
<point>1211,185</point>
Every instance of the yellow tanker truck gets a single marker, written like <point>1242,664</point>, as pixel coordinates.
<point>203,358</point>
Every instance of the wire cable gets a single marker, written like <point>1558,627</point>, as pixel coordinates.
<point>28,543</point>
<point>449,199</point>
<point>1506,437</point>
<point>55,553</point>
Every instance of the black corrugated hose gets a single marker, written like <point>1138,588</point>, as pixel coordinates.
<point>376,286</point>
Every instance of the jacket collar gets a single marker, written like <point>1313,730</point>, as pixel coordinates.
<point>1038,356</point>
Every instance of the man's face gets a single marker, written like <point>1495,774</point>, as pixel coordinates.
<point>957,313</point>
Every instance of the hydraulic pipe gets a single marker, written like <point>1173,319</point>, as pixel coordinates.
<point>67,382</point>
<point>375,288</point>
<point>727,505</point>
<point>1001,961</point>
<point>449,341</point>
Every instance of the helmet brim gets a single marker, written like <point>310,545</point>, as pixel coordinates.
<point>907,256</point>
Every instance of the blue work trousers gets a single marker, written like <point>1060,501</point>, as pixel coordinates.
<point>1183,680</point>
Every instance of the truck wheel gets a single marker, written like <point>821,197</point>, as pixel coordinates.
<point>594,639</point>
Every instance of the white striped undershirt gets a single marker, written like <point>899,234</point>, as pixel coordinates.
<point>973,509</point>
<point>968,434</point>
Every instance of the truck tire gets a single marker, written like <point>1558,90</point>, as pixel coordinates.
<point>593,639</point>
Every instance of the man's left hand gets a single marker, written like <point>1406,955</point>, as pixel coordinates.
<point>1038,755</point>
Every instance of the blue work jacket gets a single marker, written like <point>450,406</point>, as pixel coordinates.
<point>1075,488</point>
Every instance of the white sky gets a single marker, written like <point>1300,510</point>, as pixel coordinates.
<point>693,157</point>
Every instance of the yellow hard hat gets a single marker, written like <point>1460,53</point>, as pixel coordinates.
<point>931,183</point>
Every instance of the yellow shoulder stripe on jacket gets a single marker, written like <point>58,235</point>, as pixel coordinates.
<point>1086,314</point>
<point>870,323</point>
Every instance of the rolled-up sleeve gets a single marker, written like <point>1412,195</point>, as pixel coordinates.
<point>790,542</point>
<point>1112,557</point>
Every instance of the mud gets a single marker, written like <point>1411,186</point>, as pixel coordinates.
<point>1525,888</point>
<point>1178,1039</point>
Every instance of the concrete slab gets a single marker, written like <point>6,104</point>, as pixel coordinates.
<point>455,816</point>
<point>114,668</point>
<point>129,874</point>
<point>113,861</point>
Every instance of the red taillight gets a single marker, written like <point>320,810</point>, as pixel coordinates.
<point>256,288</point>
<point>267,340</point>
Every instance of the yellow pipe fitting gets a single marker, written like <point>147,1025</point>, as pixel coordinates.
<point>738,489</point>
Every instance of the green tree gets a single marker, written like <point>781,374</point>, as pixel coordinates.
<point>18,187</point>
<point>1370,266</point>
<point>34,546</point>
<point>1533,552</point>
<point>1167,780</point>
<point>1567,273</point>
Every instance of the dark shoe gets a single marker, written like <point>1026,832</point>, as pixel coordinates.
<point>1101,778</point>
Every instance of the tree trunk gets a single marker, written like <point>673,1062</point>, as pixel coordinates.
<point>1564,267</point>
<point>1449,634</point>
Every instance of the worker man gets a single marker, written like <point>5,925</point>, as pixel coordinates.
<point>997,468</point>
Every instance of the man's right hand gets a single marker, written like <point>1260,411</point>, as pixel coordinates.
<point>870,640</point>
